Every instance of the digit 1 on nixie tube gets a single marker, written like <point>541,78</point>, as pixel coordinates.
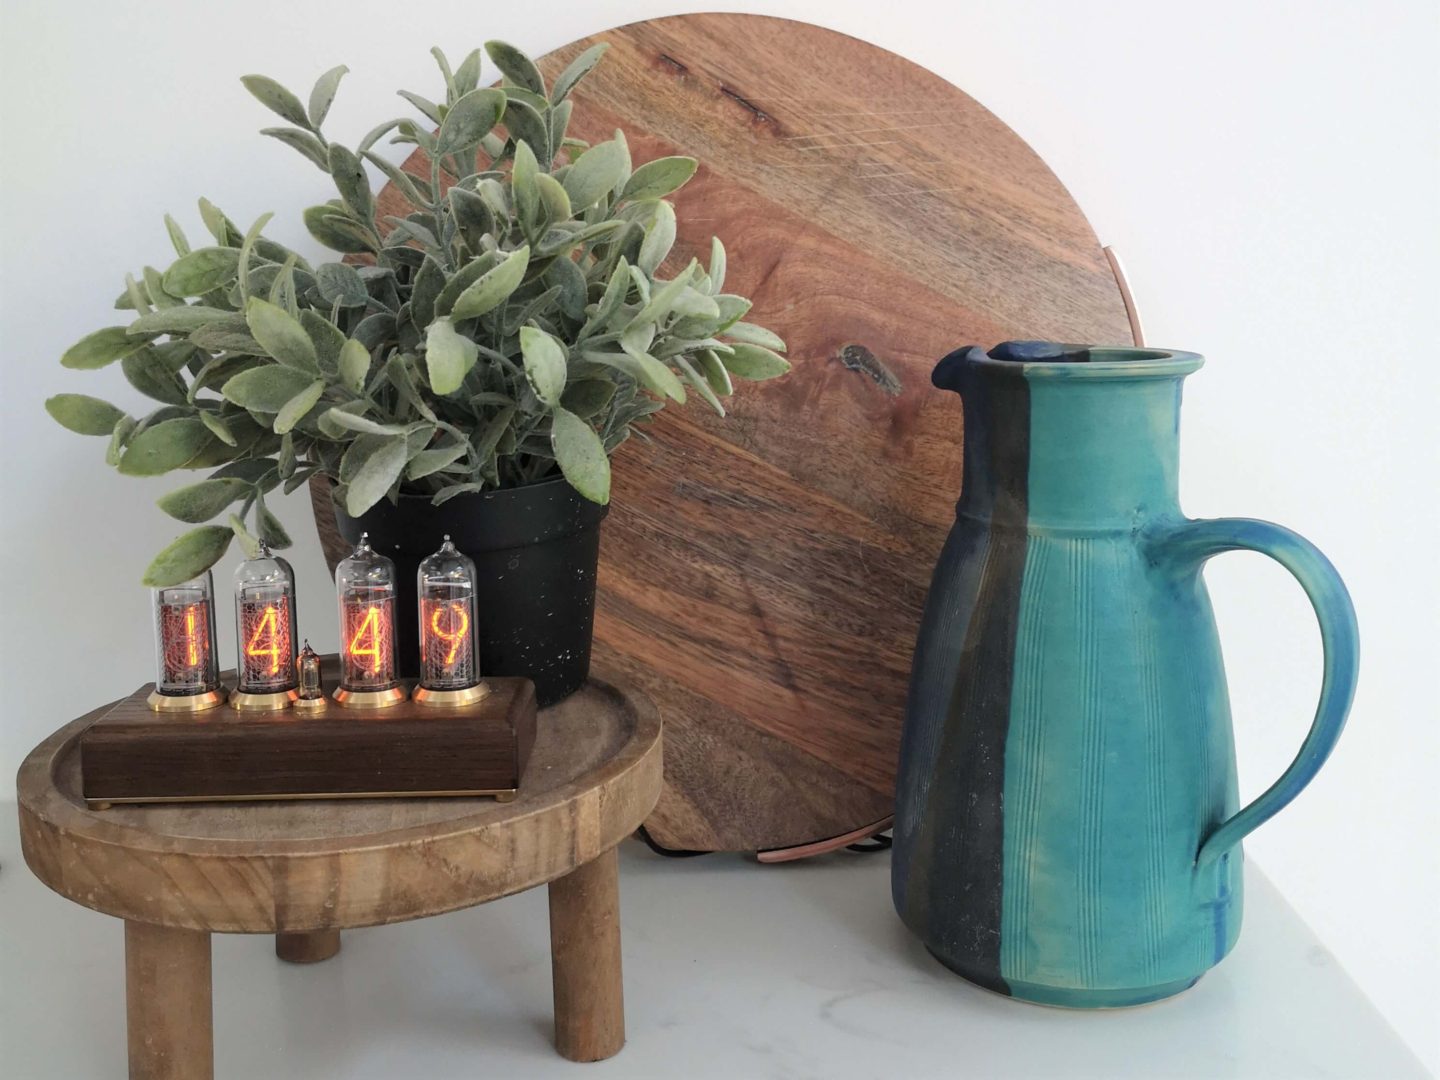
<point>365,584</point>
<point>187,672</point>
<point>449,666</point>
<point>264,633</point>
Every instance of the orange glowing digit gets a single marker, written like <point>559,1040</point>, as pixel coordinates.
<point>192,654</point>
<point>371,625</point>
<point>269,646</point>
<point>456,635</point>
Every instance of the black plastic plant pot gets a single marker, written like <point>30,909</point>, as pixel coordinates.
<point>535,549</point>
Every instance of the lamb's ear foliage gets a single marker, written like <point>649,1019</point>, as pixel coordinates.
<point>513,320</point>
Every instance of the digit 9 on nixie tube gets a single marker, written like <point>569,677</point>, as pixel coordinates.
<point>187,672</point>
<point>449,664</point>
<point>365,584</point>
<point>264,634</point>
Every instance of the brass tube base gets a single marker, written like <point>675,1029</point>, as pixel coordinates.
<point>369,699</point>
<point>273,702</point>
<point>211,699</point>
<point>311,702</point>
<point>449,699</point>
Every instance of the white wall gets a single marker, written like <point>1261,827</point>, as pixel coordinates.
<point>1269,171</point>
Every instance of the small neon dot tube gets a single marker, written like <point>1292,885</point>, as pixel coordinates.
<point>365,585</point>
<point>449,664</point>
<point>264,633</point>
<point>187,672</point>
<point>310,684</point>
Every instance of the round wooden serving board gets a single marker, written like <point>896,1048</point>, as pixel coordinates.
<point>762,576</point>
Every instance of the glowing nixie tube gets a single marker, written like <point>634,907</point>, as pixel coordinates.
<point>365,583</point>
<point>187,672</point>
<point>449,664</point>
<point>264,633</point>
<point>310,687</point>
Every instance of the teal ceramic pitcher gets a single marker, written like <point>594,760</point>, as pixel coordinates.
<point>1067,827</point>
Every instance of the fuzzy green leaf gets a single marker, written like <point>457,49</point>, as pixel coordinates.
<point>202,271</point>
<point>581,456</point>
<point>431,461</point>
<point>340,283</point>
<point>272,531</point>
<point>658,178</point>
<point>545,366</point>
<point>202,501</point>
<point>754,362</point>
<point>323,94</point>
<point>164,446</point>
<point>327,225</point>
<point>100,348</point>
<point>281,335</point>
<point>148,372</point>
<point>701,385</point>
<point>276,98</point>
<point>596,173</point>
<point>351,182</point>
<point>349,417</point>
<point>354,365</point>
<point>83,414</point>
<point>448,356</point>
<point>220,226</point>
<point>754,335</point>
<point>659,239</point>
<point>301,140</point>
<point>177,237</point>
<point>522,182</point>
<point>576,70</point>
<point>218,428</point>
<point>265,389</point>
<point>516,66</point>
<point>553,199</point>
<point>588,397</point>
<point>177,320</point>
<point>298,406</point>
<point>717,265</point>
<point>188,556</point>
<point>493,287</point>
<point>469,119</point>
<point>248,543</point>
<point>374,475</point>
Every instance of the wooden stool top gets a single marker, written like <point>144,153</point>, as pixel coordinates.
<point>594,775</point>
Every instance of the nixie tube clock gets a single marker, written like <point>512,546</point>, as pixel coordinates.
<point>187,672</point>
<point>365,583</point>
<point>449,665</point>
<point>264,633</point>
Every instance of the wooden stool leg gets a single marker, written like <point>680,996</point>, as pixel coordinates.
<point>167,1003</point>
<point>585,958</point>
<point>307,948</point>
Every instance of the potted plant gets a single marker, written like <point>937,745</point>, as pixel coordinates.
<point>467,368</point>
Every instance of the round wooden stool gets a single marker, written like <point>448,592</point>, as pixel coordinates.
<point>306,870</point>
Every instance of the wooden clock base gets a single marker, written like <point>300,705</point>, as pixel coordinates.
<point>133,754</point>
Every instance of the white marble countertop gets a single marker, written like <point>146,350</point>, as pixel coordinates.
<point>732,970</point>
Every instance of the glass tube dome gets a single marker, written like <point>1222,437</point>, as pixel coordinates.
<point>187,671</point>
<point>265,625</point>
<point>365,586</point>
<point>445,584</point>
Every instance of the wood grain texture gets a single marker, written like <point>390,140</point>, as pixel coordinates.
<point>265,867</point>
<point>133,753</point>
<point>585,960</point>
<point>169,1018</point>
<point>762,576</point>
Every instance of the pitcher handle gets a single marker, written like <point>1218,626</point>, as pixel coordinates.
<point>1194,542</point>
